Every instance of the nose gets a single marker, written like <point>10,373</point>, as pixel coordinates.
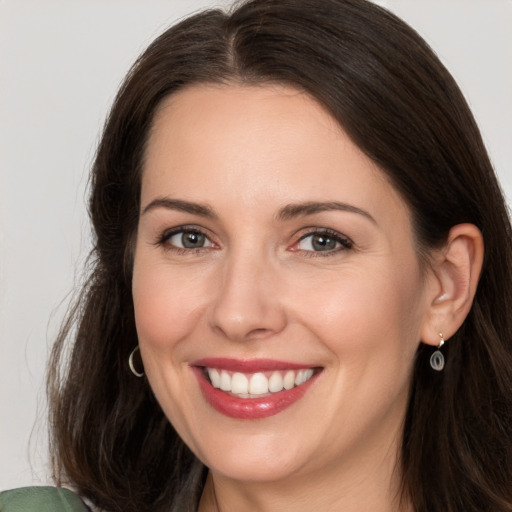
<point>247,303</point>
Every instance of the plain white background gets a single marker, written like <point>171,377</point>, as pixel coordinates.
<point>61,62</point>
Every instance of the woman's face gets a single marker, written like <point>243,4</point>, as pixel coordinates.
<point>272,251</point>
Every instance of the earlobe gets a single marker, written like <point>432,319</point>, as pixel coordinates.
<point>456,269</point>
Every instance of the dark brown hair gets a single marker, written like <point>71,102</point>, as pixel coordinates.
<point>398,103</point>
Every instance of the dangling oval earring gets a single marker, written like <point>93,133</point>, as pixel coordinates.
<point>437,358</point>
<point>131,365</point>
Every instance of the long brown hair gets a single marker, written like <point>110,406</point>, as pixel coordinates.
<point>398,103</point>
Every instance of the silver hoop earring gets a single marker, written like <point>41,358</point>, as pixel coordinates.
<point>130,363</point>
<point>437,358</point>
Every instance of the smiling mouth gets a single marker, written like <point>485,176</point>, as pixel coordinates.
<point>258,384</point>
<point>253,389</point>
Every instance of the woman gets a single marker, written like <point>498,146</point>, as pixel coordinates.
<point>301,247</point>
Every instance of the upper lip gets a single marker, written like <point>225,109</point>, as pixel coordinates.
<point>249,365</point>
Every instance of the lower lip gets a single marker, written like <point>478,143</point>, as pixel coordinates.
<point>250,408</point>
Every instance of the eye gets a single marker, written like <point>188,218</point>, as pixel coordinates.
<point>186,239</point>
<point>323,241</point>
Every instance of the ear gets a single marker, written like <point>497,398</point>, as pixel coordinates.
<point>455,272</point>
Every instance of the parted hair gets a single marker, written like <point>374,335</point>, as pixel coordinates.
<point>393,97</point>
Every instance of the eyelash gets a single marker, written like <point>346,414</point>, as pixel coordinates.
<point>164,238</point>
<point>344,242</point>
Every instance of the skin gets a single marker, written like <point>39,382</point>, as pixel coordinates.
<point>257,289</point>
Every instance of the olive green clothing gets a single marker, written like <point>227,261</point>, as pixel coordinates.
<point>41,499</point>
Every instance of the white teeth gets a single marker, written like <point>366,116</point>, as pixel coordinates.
<point>257,384</point>
<point>214,377</point>
<point>275,383</point>
<point>225,381</point>
<point>289,380</point>
<point>239,384</point>
<point>303,376</point>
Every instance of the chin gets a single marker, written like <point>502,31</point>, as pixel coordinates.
<point>259,471</point>
<point>258,458</point>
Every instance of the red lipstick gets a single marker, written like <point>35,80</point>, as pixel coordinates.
<point>248,365</point>
<point>250,408</point>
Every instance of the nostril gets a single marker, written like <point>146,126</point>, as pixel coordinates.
<point>259,333</point>
<point>242,312</point>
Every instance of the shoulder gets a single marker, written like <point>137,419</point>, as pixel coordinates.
<point>41,499</point>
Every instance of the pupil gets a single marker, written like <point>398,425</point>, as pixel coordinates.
<point>192,240</point>
<point>323,243</point>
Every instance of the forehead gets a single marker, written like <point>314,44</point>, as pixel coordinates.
<point>255,143</point>
<point>239,117</point>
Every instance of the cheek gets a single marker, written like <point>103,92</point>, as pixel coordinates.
<point>164,305</point>
<point>374,314</point>
<point>166,302</point>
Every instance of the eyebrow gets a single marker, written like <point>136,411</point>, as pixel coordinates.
<point>288,212</point>
<point>291,211</point>
<point>181,206</point>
